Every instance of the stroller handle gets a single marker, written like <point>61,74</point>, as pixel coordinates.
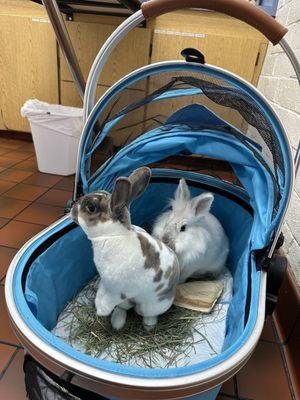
<point>240,9</point>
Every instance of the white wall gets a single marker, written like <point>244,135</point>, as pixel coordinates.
<point>279,84</point>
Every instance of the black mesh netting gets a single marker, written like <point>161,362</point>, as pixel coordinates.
<point>42,384</point>
<point>141,108</point>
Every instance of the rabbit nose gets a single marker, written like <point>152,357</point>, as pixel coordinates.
<point>165,239</point>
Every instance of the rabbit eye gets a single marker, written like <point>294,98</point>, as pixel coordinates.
<point>91,208</point>
<point>182,228</point>
<point>91,205</point>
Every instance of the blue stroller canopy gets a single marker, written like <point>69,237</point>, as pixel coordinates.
<point>261,162</point>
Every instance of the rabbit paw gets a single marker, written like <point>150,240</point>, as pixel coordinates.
<point>149,323</point>
<point>103,309</point>
<point>118,318</point>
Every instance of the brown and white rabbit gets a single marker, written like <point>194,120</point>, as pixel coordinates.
<point>136,269</point>
<point>196,236</point>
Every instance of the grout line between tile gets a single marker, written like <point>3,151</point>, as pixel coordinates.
<point>292,330</point>
<point>22,151</point>
<point>269,341</point>
<point>29,223</point>
<point>40,185</point>
<point>13,166</point>
<point>47,204</point>
<point>245,398</point>
<point>230,396</point>
<point>25,159</point>
<point>284,363</point>
<point>10,247</point>
<point>235,385</point>
<point>5,191</point>
<point>8,220</point>
<point>18,346</point>
<point>31,201</point>
<point>16,183</point>
<point>277,338</point>
<point>2,373</point>
<point>35,201</point>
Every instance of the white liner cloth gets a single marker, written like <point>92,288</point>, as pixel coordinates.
<point>209,333</point>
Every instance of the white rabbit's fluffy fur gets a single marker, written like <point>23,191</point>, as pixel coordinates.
<point>136,269</point>
<point>195,235</point>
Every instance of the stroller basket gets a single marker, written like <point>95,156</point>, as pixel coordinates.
<point>183,119</point>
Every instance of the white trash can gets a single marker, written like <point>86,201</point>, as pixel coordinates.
<point>55,131</point>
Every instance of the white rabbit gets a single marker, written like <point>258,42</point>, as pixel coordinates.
<point>195,235</point>
<point>136,269</point>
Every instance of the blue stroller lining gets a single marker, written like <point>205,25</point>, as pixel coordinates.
<point>63,262</point>
<point>54,267</point>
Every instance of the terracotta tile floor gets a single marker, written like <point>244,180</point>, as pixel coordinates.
<point>29,201</point>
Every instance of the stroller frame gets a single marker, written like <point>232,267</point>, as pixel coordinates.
<point>126,386</point>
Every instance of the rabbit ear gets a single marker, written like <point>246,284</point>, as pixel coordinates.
<point>139,180</point>
<point>182,193</point>
<point>120,196</point>
<point>201,204</point>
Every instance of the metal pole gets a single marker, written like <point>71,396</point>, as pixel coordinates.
<point>292,57</point>
<point>65,44</point>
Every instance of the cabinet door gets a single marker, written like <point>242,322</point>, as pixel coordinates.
<point>2,125</point>
<point>28,66</point>
<point>69,95</point>
<point>236,54</point>
<point>87,38</point>
<point>225,42</point>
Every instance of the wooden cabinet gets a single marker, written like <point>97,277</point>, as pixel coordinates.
<point>87,38</point>
<point>69,95</point>
<point>236,54</point>
<point>225,42</point>
<point>131,53</point>
<point>32,66</point>
<point>28,62</point>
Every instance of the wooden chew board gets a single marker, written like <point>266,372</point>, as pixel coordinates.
<point>198,295</point>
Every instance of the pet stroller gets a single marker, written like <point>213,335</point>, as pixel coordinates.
<point>177,117</point>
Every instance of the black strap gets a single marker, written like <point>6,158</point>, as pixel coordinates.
<point>193,55</point>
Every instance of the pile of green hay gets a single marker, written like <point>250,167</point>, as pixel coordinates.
<point>172,340</point>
